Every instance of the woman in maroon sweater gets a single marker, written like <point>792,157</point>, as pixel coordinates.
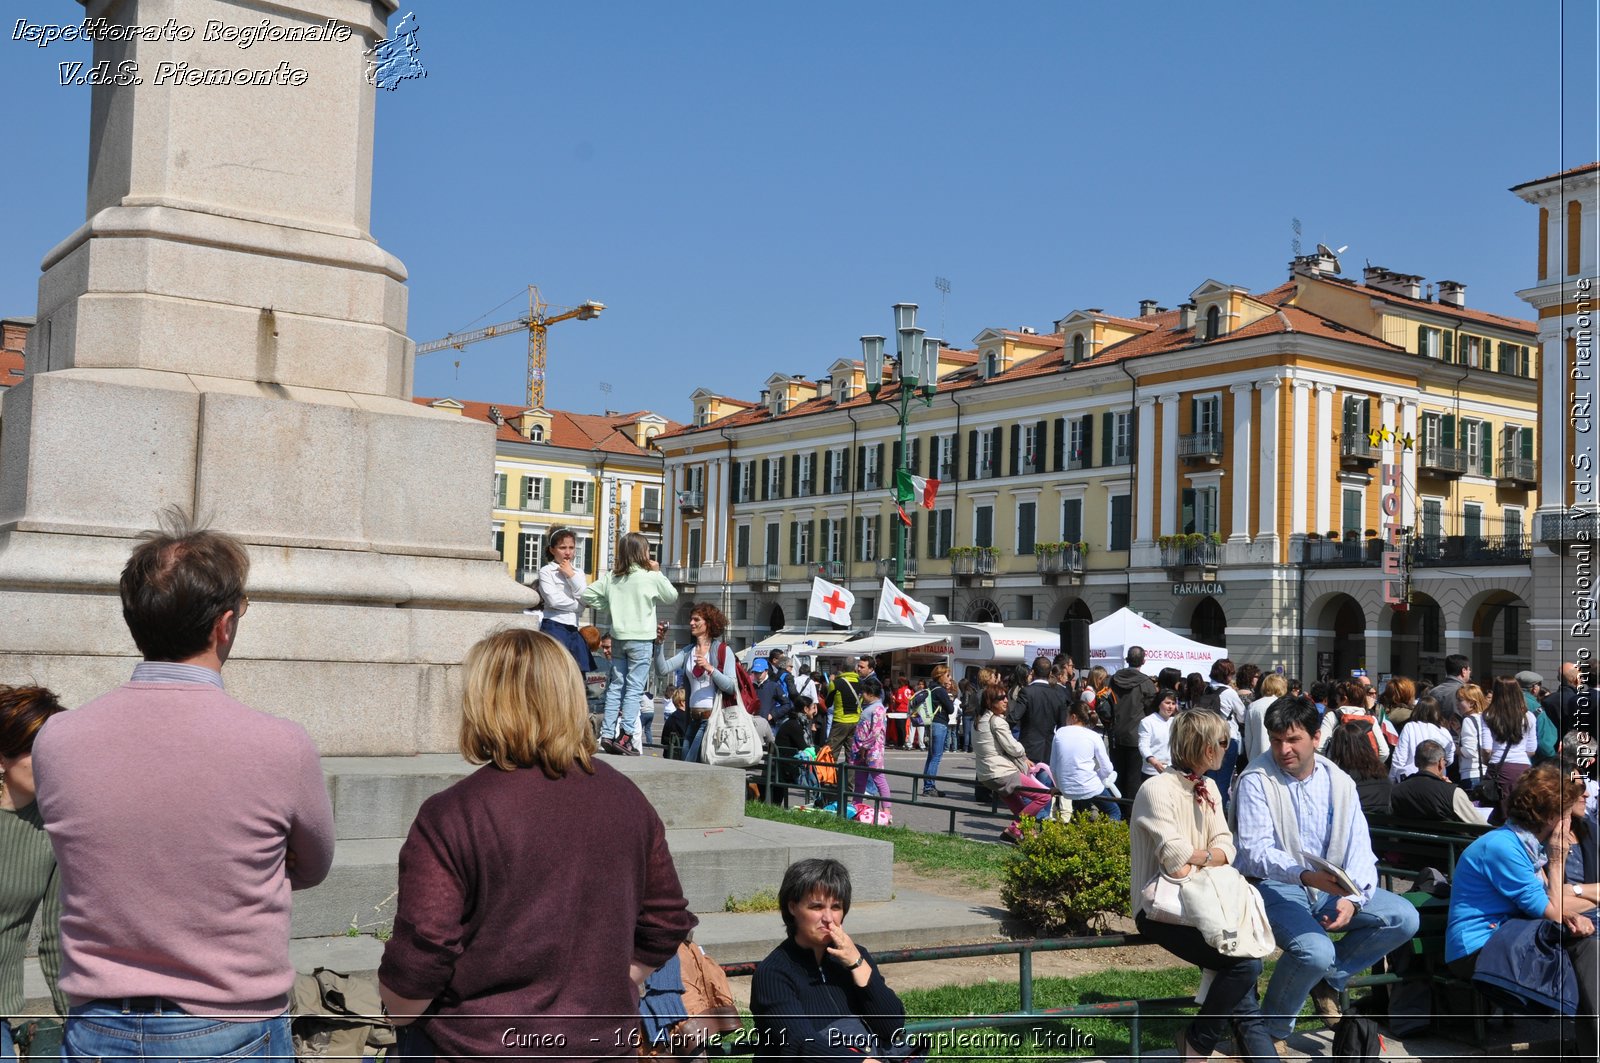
<point>536,893</point>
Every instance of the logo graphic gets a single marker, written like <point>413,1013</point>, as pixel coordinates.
<point>394,60</point>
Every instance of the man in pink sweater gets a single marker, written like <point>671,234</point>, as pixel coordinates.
<point>181,821</point>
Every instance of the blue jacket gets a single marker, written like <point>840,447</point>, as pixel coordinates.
<point>1525,963</point>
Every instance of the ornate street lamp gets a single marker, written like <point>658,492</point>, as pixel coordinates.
<point>917,369</point>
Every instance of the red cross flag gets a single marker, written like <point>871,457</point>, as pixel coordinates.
<point>895,606</point>
<point>830,601</point>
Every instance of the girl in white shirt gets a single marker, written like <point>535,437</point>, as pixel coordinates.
<point>1426,724</point>
<point>1153,730</point>
<point>1080,764</point>
<point>560,584</point>
<point>1474,735</point>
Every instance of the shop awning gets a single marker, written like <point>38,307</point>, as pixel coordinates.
<point>891,642</point>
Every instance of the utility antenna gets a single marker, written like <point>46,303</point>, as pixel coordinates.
<point>943,285</point>
<point>604,387</point>
<point>1294,223</point>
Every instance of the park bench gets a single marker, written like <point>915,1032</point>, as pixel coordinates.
<point>1406,846</point>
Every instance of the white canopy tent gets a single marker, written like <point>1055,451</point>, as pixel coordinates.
<point>1110,638</point>
<point>797,643</point>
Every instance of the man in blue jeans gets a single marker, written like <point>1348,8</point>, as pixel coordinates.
<point>1292,801</point>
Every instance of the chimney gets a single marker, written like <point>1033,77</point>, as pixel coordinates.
<point>1148,308</point>
<point>1314,265</point>
<point>1453,293</point>
<point>494,415</point>
<point>824,388</point>
<point>1408,285</point>
<point>1028,330</point>
<point>766,395</point>
<point>1185,316</point>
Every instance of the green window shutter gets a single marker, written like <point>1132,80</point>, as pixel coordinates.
<point>1447,430</point>
<point>916,454</point>
<point>1526,436</point>
<point>1422,339</point>
<point>911,538</point>
<point>811,544</point>
<point>877,538</point>
<point>1486,448</point>
<point>896,455</point>
<point>546,494</point>
<point>1107,430</point>
<point>972,454</point>
<point>885,477</point>
<point>1016,450</point>
<point>1059,457</point>
<point>794,542</point>
<point>933,535</point>
<point>1087,456</point>
<point>1447,345</point>
<point>500,488</point>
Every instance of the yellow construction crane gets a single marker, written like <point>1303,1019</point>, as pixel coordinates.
<point>537,321</point>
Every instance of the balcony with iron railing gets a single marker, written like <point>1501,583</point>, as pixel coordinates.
<point>972,562</point>
<point>1572,526</point>
<point>650,515</point>
<point>1347,552</point>
<point>1078,459</point>
<point>1200,446</point>
<point>1189,551</point>
<point>682,575</point>
<point>1517,471</point>
<point>1430,551</point>
<point>1057,561</point>
<point>883,568</point>
<point>1441,460</point>
<point>535,505</point>
<point>1356,448</point>
<point>766,575</point>
<point>691,501</point>
<point>833,570</point>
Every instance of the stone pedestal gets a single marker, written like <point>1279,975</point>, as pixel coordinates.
<point>224,333</point>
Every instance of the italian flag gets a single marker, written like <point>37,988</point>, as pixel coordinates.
<point>909,488</point>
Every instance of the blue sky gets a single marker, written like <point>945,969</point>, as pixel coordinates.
<point>749,187</point>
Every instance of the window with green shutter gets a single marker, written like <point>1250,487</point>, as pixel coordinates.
<point>1025,531</point>
<point>500,490</point>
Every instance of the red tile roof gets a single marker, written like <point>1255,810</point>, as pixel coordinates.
<point>574,431</point>
<point>1461,313</point>
<point>1587,167</point>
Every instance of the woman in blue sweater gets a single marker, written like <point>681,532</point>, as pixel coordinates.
<point>1518,871</point>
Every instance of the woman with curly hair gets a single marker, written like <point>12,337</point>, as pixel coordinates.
<point>710,671</point>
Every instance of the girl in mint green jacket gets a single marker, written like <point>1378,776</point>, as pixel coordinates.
<point>630,593</point>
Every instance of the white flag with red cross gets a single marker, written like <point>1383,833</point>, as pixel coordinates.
<point>895,606</point>
<point>829,601</point>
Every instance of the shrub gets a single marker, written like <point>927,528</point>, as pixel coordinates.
<point>1069,878</point>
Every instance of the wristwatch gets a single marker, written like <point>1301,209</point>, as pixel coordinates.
<point>860,959</point>
<point>1577,890</point>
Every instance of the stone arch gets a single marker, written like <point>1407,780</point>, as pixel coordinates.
<point>775,617</point>
<point>1416,638</point>
<point>1208,622</point>
<point>983,611</point>
<point>1502,641</point>
<point>1066,608</point>
<point>1337,635</point>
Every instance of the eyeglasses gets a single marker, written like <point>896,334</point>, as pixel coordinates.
<point>244,607</point>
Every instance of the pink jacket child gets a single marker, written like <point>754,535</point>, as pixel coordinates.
<point>866,752</point>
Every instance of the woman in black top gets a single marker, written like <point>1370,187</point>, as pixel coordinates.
<point>819,995</point>
<point>795,734</point>
<point>1352,749</point>
<point>941,687</point>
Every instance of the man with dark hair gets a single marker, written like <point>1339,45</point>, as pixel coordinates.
<point>1293,805</point>
<point>181,821</point>
<point>1428,794</point>
<point>1133,696</point>
<point>1458,671</point>
<point>1043,708</point>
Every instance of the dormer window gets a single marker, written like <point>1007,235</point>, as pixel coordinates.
<point>780,400</point>
<point>1213,322</point>
<point>991,364</point>
<point>536,434</point>
<point>1078,346</point>
<point>841,387</point>
<point>702,416</point>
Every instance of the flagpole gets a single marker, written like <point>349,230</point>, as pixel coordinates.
<point>808,604</point>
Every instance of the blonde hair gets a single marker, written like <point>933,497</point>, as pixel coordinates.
<point>1474,696</point>
<point>941,675</point>
<point>1193,732</point>
<point>523,705</point>
<point>678,698</point>
<point>1274,686</point>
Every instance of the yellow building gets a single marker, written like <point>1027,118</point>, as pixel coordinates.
<point>598,474</point>
<point>1214,467</point>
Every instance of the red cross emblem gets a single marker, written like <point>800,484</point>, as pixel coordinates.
<point>833,601</point>
<point>905,607</point>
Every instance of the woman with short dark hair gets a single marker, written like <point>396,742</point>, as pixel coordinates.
<point>818,995</point>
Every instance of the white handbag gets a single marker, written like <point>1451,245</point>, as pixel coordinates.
<point>731,740</point>
<point>1163,899</point>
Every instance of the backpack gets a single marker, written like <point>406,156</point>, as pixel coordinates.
<point>1210,700</point>
<point>731,739</point>
<point>922,707</point>
<point>1367,723</point>
<point>1356,1040</point>
<point>826,776</point>
<point>1548,738</point>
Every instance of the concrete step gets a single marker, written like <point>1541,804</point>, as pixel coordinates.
<point>378,797</point>
<point>713,863</point>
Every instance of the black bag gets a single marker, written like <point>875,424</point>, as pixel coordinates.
<point>1488,794</point>
<point>1357,1040</point>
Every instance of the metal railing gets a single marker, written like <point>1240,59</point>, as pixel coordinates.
<point>688,500</point>
<point>1200,445</point>
<point>832,569</point>
<point>1521,470</point>
<point>650,515</point>
<point>1451,461</point>
<point>1122,454</point>
<point>535,505</point>
<point>1471,550</point>
<point>687,575</point>
<point>1357,446</point>
<point>1078,459</point>
<point>1568,527</point>
<point>768,573</point>
<point>884,567</point>
<point>974,564</point>
<point>582,506</point>
<point>1068,560</point>
<point>1186,555</point>
<point>1340,553</point>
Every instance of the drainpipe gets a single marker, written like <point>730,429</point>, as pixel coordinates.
<point>854,432</point>
<point>1133,488</point>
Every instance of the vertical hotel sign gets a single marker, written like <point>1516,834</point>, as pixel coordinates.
<point>1396,591</point>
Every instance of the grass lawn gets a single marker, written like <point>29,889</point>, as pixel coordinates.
<point>977,863</point>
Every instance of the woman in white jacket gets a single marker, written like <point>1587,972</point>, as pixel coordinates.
<point>1178,825</point>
